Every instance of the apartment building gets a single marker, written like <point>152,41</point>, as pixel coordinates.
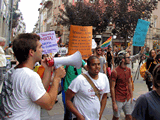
<point>7,9</point>
<point>48,21</point>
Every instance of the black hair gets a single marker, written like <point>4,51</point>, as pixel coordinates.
<point>10,44</point>
<point>150,52</point>
<point>98,48</point>
<point>156,76</point>
<point>91,58</point>
<point>56,55</point>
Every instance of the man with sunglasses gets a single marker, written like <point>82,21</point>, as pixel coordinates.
<point>121,87</point>
<point>102,60</point>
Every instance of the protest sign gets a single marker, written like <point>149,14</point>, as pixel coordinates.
<point>80,39</point>
<point>140,32</point>
<point>49,42</point>
<point>63,51</point>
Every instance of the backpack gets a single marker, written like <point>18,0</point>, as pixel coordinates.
<point>143,69</point>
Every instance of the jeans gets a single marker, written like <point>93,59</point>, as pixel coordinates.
<point>67,113</point>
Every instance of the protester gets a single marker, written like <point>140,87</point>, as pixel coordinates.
<point>109,57</point>
<point>71,74</point>
<point>121,87</point>
<point>23,92</point>
<point>9,51</point>
<point>134,58</point>
<point>102,59</point>
<point>150,65</point>
<point>115,54</point>
<point>2,59</point>
<point>147,53</point>
<point>148,105</point>
<point>87,105</point>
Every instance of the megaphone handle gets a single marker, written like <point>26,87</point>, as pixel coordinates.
<point>57,66</point>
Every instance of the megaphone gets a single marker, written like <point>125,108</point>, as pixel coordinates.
<point>73,60</point>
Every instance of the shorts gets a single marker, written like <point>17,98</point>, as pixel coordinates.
<point>125,106</point>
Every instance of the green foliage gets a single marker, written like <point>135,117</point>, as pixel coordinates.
<point>87,14</point>
<point>124,14</point>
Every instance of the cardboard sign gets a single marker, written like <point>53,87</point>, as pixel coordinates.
<point>49,42</point>
<point>80,39</point>
<point>140,32</point>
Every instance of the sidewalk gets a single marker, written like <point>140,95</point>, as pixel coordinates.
<point>57,112</point>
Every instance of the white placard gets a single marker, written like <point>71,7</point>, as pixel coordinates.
<point>49,42</point>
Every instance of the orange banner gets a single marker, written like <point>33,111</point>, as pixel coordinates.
<point>80,39</point>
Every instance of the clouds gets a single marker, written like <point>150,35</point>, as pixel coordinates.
<point>29,9</point>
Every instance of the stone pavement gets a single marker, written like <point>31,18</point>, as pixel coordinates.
<point>57,112</point>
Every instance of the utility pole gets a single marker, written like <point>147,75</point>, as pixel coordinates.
<point>10,20</point>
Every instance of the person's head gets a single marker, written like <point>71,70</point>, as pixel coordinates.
<point>98,51</point>
<point>2,41</point>
<point>10,44</point>
<point>27,45</point>
<point>147,49</point>
<point>152,53</point>
<point>116,49</point>
<point>109,49</point>
<point>158,58</point>
<point>57,55</point>
<point>156,76</point>
<point>123,57</point>
<point>129,51</point>
<point>93,65</point>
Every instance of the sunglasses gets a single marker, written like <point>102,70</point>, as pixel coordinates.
<point>128,57</point>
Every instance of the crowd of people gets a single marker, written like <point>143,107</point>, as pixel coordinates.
<point>28,88</point>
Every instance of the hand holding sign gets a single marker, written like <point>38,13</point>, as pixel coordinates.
<point>140,32</point>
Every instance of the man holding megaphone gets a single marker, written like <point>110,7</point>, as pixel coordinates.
<point>23,92</point>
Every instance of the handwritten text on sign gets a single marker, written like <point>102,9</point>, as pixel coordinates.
<point>80,39</point>
<point>49,42</point>
<point>140,32</point>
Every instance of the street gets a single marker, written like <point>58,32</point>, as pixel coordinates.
<point>57,111</point>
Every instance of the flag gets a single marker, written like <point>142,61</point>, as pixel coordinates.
<point>106,43</point>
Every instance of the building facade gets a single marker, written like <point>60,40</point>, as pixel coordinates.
<point>48,21</point>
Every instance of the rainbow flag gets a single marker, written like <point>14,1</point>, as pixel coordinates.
<point>106,43</point>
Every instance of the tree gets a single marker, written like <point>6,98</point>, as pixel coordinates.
<point>127,13</point>
<point>95,14</point>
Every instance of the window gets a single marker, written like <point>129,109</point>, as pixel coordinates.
<point>155,21</point>
<point>78,0</point>
<point>92,1</point>
<point>49,12</point>
<point>48,27</point>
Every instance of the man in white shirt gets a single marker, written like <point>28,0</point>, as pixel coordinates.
<point>102,59</point>
<point>23,92</point>
<point>87,105</point>
<point>2,58</point>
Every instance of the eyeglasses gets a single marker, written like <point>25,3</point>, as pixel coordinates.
<point>99,50</point>
<point>128,57</point>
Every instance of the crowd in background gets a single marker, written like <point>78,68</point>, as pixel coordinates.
<point>113,65</point>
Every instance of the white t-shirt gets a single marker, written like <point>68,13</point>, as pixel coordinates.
<point>21,88</point>
<point>85,100</point>
<point>2,57</point>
